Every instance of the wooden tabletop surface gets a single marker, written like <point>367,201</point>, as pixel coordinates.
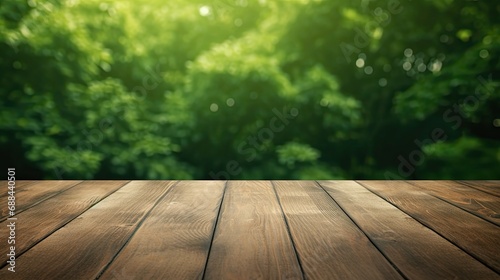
<point>252,230</point>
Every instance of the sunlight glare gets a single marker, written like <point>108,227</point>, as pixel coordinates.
<point>204,11</point>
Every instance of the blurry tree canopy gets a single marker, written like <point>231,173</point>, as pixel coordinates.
<point>250,89</point>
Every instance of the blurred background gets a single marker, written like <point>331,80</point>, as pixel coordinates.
<point>250,89</point>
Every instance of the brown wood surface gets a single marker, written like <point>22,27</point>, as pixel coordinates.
<point>330,245</point>
<point>447,220</point>
<point>251,239</point>
<point>479,203</point>
<point>254,230</point>
<point>29,194</point>
<point>48,216</point>
<point>174,240</point>
<point>4,193</point>
<point>417,251</point>
<point>491,186</point>
<point>82,248</point>
<point>20,184</point>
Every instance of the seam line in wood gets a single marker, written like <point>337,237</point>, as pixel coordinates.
<point>289,231</point>
<point>216,222</point>
<point>367,236</point>
<point>464,183</point>
<point>19,254</point>
<point>429,227</point>
<point>449,202</point>
<point>135,230</point>
<point>20,210</point>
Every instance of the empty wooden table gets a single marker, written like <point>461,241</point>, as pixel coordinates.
<point>251,230</point>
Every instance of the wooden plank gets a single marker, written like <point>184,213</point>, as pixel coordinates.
<point>82,248</point>
<point>329,244</point>
<point>174,240</point>
<point>417,251</point>
<point>474,201</point>
<point>29,193</point>
<point>20,184</point>
<point>447,220</point>
<point>491,186</point>
<point>4,194</point>
<point>48,216</point>
<point>251,239</point>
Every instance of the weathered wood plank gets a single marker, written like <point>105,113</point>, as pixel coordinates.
<point>4,193</point>
<point>447,220</point>
<point>83,247</point>
<point>48,216</point>
<point>417,251</point>
<point>251,240</point>
<point>174,240</point>
<point>30,193</point>
<point>20,184</point>
<point>329,244</point>
<point>474,201</point>
<point>491,186</point>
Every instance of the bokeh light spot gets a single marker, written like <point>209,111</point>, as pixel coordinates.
<point>496,123</point>
<point>484,53</point>
<point>408,52</point>
<point>17,65</point>
<point>422,67</point>
<point>360,62</point>
<point>369,70</point>
<point>407,66</point>
<point>204,11</point>
<point>382,82</point>
<point>487,40</point>
<point>444,38</point>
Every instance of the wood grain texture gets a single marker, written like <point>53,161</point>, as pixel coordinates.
<point>20,184</point>
<point>82,248</point>
<point>255,230</point>
<point>490,186</point>
<point>174,240</point>
<point>474,201</point>
<point>46,217</point>
<point>29,193</point>
<point>444,218</point>
<point>329,244</point>
<point>417,251</point>
<point>4,193</point>
<point>251,239</point>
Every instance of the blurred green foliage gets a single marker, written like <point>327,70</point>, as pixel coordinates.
<point>248,89</point>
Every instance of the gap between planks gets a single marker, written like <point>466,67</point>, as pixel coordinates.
<point>476,202</point>
<point>418,251</point>
<point>329,243</point>
<point>173,240</point>
<point>446,219</point>
<point>59,256</point>
<point>30,193</point>
<point>46,217</point>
